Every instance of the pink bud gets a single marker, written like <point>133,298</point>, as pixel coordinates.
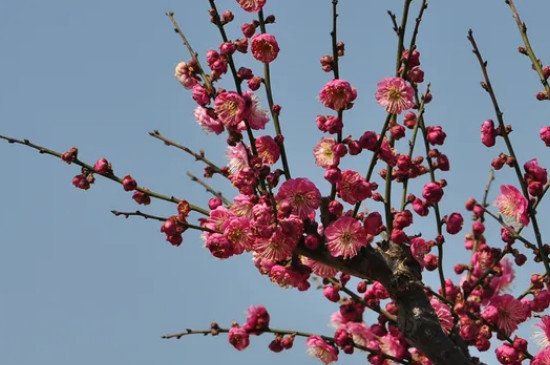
<point>128,183</point>
<point>248,29</point>
<point>488,133</point>
<point>454,223</point>
<point>103,167</point>
<point>81,182</point>
<point>141,198</point>
<point>70,155</point>
<point>432,192</point>
<point>545,135</point>
<point>331,293</point>
<point>435,135</point>
<point>213,203</point>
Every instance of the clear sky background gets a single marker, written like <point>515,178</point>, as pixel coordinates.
<point>80,286</point>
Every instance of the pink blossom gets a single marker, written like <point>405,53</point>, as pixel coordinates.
<point>420,248</point>
<point>319,269</point>
<point>238,232</point>
<point>219,246</point>
<point>337,94</point>
<point>206,119</point>
<point>301,194</point>
<point>242,205</point>
<point>217,64</point>
<point>506,312</point>
<point>230,108</point>
<point>395,94</point>
<point>283,240</point>
<point>391,345</point>
<point>323,152</point>
<point>508,355</point>
<point>185,75</point>
<point>321,349</point>
<point>542,336</point>
<point>352,187</point>
<point>256,117</point>
<point>238,157</point>
<point>217,219</point>
<point>239,338</point>
<point>542,358</point>
<point>257,320</point>
<point>502,282</point>
<point>200,95</point>
<point>488,133</point>
<point>359,332</point>
<point>512,204</point>
<point>443,314</point>
<point>264,47</point>
<point>345,237</point>
<point>252,6</point>
<point>268,150</point>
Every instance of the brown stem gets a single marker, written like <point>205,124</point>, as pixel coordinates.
<point>110,176</point>
<point>198,156</point>
<point>208,188</point>
<point>504,132</point>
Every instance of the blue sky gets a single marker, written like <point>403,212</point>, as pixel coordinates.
<point>78,285</point>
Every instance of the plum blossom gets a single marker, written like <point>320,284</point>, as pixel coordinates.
<point>345,237</point>
<point>319,269</point>
<point>337,94</point>
<point>206,119</point>
<point>256,116</point>
<point>282,241</point>
<point>542,335</point>
<point>321,349</point>
<point>252,6</point>
<point>324,153</point>
<point>542,358</point>
<point>301,194</point>
<point>239,233</point>
<point>352,187</point>
<point>512,204</point>
<point>394,94</point>
<point>443,314</point>
<point>268,150</point>
<point>239,338</point>
<point>264,47</point>
<point>506,312</point>
<point>238,157</point>
<point>230,108</point>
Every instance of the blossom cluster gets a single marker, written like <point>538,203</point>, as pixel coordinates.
<point>293,231</point>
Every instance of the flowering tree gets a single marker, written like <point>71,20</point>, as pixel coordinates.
<point>300,232</point>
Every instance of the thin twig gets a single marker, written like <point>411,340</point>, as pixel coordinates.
<point>523,31</point>
<point>504,133</point>
<point>193,54</point>
<point>209,188</point>
<point>215,330</point>
<point>137,213</point>
<point>110,176</point>
<point>198,156</point>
